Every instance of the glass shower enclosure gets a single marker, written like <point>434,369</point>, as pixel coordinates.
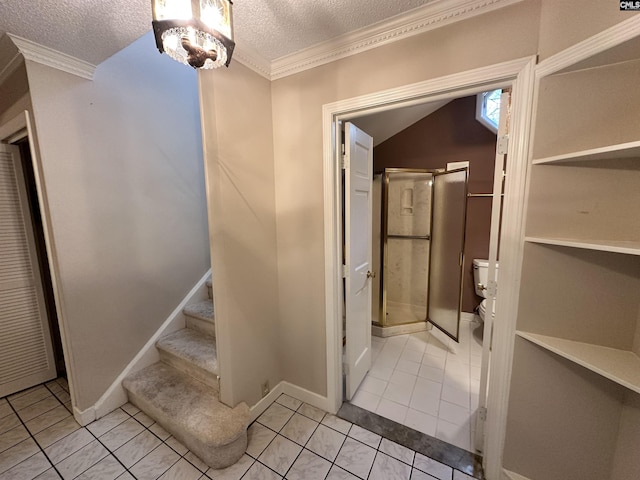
<point>418,231</point>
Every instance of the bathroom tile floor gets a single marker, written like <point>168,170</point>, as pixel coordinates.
<point>417,381</point>
<point>39,439</point>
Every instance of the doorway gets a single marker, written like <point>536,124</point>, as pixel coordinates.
<point>519,76</point>
<point>32,345</point>
<point>418,376</point>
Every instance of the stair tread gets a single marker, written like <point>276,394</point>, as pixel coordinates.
<point>181,402</point>
<point>193,347</point>
<point>202,310</point>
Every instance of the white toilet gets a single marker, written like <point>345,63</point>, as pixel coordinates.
<point>480,277</point>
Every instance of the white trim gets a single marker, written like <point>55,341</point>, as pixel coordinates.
<point>609,38</point>
<point>257,409</point>
<point>306,396</point>
<point>511,252</point>
<point>251,59</point>
<point>84,417</point>
<point>52,58</point>
<point>419,20</point>
<point>15,125</point>
<point>116,396</point>
<point>519,74</point>
<point>292,390</point>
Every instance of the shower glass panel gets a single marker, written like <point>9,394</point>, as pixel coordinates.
<point>407,225</point>
<point>447,247</point>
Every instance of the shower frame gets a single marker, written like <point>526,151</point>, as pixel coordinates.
<point>383,253</point>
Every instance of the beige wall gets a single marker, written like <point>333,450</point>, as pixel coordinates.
<point>238,142</point>
<point>564,23</point>
<point>297,110</point>
<point>123,171</point>
<point>14,94</point>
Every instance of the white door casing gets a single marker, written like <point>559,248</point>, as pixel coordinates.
<point>26,354</point>
<point>358,162</point>
<point>494,240</point>
<point>519,74</point>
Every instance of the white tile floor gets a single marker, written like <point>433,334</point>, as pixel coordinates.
<point>417,381</point>
<point>290,440</point>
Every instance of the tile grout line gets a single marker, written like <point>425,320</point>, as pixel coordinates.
<point>34,441</point>
<point>333,463</point>
<point>108,450</point>
<point>92,434</point>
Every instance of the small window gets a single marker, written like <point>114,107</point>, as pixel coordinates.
<point>488,109</point>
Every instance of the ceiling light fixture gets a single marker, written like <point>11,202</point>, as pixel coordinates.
<point>194,32</point>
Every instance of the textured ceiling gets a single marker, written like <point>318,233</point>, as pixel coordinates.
<point>93,30</point>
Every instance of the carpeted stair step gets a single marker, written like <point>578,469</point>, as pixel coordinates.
<point>210,288</point>
<point>192,353</point>
<point>199,316</point>
<point>189,410</point>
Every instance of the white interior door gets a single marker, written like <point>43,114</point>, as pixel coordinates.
<point>494,244</point>
<point>358,239</point>
<point>26,355</point>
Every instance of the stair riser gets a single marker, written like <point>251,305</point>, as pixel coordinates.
<point>190,369</point>
<point>216,457</point>
<point>204,327</point>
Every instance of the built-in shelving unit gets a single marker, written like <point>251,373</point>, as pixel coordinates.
<point>610,152</point>
<point>614,246</point>
<point>574,407</point>
<point>619,366</point>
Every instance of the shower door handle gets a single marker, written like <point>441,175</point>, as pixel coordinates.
<point>371,274</point>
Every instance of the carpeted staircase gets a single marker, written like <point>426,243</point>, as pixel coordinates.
<point>181,391</point>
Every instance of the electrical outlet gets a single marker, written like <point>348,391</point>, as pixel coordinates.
<point>265,388</point>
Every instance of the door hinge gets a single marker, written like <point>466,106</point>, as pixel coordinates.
<point>461,258</point>
<point>345,271</point>
<point>344,162</point>
<point>503,145</point>
<point>482,413</point>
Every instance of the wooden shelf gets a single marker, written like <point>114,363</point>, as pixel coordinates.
<point>619,366</point>
<point>610,152</point>
<point>614,246</point>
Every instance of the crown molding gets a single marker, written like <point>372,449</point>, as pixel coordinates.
<point>417,21</point>
<point>52,58</point>
<point>252,59</point>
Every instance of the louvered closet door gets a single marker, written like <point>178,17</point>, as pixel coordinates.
<point>26,356</point>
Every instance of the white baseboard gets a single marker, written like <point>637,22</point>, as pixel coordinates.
<point>292,390</point>
<point>257,409</point>
<point>84,417</point>
<point>306,396</point>
<point>116,396</point>
<point>507,475</point>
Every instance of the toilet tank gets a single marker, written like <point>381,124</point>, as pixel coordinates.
<point>480,275</point>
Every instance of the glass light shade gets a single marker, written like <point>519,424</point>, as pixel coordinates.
<point>194,32</point>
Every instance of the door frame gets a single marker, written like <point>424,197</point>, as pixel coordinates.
<point>517,74</point>
<point>20,127</point>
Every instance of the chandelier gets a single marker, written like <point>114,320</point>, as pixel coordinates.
<point>194,32</point>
